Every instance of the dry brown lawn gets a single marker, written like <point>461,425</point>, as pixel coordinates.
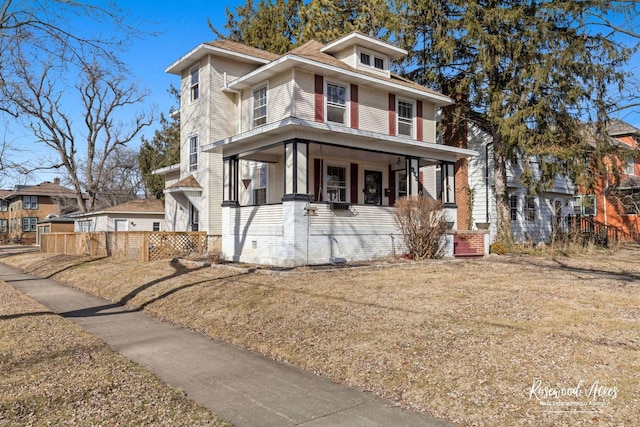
<point>512,340</point>
<point>55,374</point>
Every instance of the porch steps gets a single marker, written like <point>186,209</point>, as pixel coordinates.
<point>463,248</point>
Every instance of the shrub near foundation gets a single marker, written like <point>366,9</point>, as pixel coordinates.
<point>422,222</point>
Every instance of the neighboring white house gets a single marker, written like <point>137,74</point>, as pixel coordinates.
<point>298,159</point>
<point>136,215</point>
<point>533,217</point>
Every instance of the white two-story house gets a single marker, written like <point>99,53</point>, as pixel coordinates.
<point>534,217</point>
<point>298,159</point>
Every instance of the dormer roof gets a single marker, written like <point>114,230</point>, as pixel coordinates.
<point>310,56</point>
<point>367,42</point>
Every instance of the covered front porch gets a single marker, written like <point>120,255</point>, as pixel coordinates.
<point>300,202</point>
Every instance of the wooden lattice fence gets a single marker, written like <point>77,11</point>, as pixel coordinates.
<point>164,245</point>
<point>131,245</point>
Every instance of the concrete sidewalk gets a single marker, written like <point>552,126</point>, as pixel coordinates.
<point>242,387</point>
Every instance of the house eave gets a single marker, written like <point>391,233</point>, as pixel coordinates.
<point>167,169</point>
<point>293,123</point>
<point>183,190</point>
<point>352,39</point>
<point>290,60</point>
<point>202,50</point>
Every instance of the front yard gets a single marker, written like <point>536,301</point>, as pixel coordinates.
<point>499,341</point>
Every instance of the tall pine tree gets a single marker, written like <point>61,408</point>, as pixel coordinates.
<point>160,151</point>
<point>534,71</point>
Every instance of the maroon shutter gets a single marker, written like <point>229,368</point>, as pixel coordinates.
<point>319,98</point>
<point>354,183</point>
<point>419,131</point>
<point>392,187</point>
<point>355,123</point>
<point>317,180</point>
<point>392,114</point>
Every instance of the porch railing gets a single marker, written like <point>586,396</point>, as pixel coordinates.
<point>601,234</point>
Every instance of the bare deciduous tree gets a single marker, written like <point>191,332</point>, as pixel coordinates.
<point>122,178</point>
<point>43,50</point>
<point>104,99</point>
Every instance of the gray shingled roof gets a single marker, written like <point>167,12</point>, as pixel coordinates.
<point>619,128</point>
<point>244,49</point>
<point>44,189</point>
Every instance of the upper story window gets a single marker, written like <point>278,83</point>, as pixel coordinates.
<point>193,153</point>
<point>336,103</point>
<point>260,106</point>
<point>629,167</point>
<point>365,58</point>
<point>194,81</point>
<point>405,118</point>
<point>4,205</point>
<point>29,202</point>
<point>378,63</point>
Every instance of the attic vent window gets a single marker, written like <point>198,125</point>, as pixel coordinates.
<point>379,63</point>
<point>365,58</point>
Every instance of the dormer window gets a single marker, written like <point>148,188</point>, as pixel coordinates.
<point>371,59</point>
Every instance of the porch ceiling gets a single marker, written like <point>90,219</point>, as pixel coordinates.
<point>259,139</point>
<point>273,153</point>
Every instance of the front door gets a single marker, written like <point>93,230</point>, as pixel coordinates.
<point>372,187</point>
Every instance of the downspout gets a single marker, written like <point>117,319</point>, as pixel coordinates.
<point>604,195</point>
<point>486,180</point>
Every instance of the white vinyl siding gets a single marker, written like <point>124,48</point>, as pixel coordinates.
<point>373,110</point>
<point>280,89</point>
<point>304,96</point>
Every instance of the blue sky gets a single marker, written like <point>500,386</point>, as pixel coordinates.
<point>181,26</point>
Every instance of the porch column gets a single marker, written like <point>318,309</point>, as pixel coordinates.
<point>296,176</point>
<point>230,184</point>
<point>413,171</point>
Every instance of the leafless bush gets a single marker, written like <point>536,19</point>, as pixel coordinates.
<point>422,223</point>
